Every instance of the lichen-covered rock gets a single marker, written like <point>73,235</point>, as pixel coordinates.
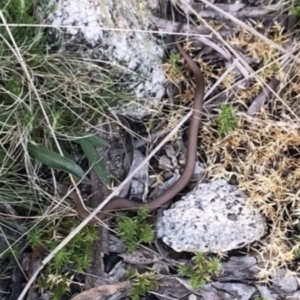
<point>214,217</point>
<point>117,33</point>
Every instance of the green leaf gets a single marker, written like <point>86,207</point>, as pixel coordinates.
<point>92,139</point>
<point>56,161</point>
<point>94,159</point>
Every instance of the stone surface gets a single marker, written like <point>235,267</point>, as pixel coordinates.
<point>213,217</point>
<point>238,268</point>
<point>116,33</point>
<point>227,290</point>
<point>286,281</point>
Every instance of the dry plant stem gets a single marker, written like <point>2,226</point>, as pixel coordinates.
<point>103,290</point>
<point>218,35</point>
<point>238,10</point>
<point>254,32</point>
<point>263,96</point>
<point>73,195</point>
<point>171,32</point>
<point>100,207</point>
<point>13,252</point>
<point>239,82</point>
<point>224,52</point>
<point>166,26</point>
<point>281,124</point>
<point>245,26</point>
<point>271,86</point>
<point>268,90</point>
<point>206,41</point>
<point>120,203</point>
<point>232,18</point>
<point>150,138</point>
<point>19,57</point>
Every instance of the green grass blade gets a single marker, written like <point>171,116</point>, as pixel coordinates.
<point>94,159</point>
<point>56,161</point>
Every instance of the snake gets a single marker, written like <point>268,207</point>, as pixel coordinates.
<point>191,156</point>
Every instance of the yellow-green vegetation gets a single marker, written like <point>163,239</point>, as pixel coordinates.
<point>227,120</point>
<point>199,270</point>
<point>31,38</point>
<point>174,61</point>
<point>49,107</point>
<point>295,9</point>
<point>141,284</point>
<point>74,258</point>
<point>261,153</point>
<point>136,230</point>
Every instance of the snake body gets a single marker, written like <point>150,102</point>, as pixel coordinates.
<point>165,197</point>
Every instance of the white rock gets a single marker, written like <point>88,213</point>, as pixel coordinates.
<point>213,217</point>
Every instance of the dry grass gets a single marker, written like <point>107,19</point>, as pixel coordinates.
<point>261,154</point>
<point>258,154</point>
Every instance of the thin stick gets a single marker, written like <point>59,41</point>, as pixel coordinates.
<point>114,193</point>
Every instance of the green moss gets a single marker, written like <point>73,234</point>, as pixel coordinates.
<point>174,60</point>
<point>135,231</point>
<point>227,121</point>
<point>295,9</point>
<point>200,270</point>
<point>76,255</point>
<point>141,283</point>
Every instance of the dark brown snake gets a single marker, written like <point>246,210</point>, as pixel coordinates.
<point>126,204</point>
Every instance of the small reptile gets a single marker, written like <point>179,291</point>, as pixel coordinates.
<point>126,204</point>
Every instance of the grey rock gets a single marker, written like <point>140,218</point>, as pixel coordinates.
<point>115,244</point>
<point>239,268</point>
<point>295,296</point>
<point>228,290</point>
<point>214,217</point>
<point>285,281</point>
<point>265,292</point>
<point>117,33</point>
